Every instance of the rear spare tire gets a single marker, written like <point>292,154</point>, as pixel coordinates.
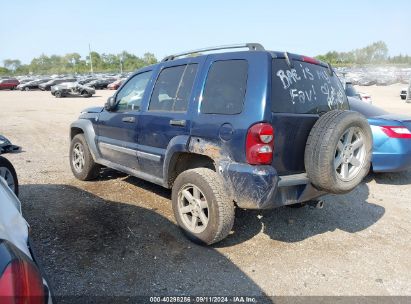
<point>338,151</point>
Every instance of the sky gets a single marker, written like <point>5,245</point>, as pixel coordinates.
<point>30,28</point>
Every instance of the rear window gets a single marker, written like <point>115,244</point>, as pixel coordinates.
<point>305,88</point>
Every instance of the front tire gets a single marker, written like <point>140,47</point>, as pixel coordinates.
<point>85,94</point>
<point>8,172</point>
<point>81,161</point>
<point>201,206</point>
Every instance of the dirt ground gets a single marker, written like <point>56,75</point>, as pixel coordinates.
<point>117,235</point>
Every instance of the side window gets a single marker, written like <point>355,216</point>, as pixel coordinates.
<point>225,87</point>
<point>130,96</point>
<point>173,88</point>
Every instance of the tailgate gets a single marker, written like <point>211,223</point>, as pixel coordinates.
<point>302,90</point>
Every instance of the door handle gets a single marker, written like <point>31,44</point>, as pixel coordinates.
<point>128,119</point>
<point>178,122</point>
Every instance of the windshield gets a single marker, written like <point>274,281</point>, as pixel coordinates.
<point>305,88</point>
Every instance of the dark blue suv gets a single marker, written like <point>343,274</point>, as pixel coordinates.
<point>250,129</point>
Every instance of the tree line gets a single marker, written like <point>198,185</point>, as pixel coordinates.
<point>73,63</point>
<point>375,53</point>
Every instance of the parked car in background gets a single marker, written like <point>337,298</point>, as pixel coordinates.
<point>46,86</point>
<point>116,84</point>
<point>32,85</point>
<point>25,79</point>
<point>21,280</point>
<point>228,129</point>
<point>350,91</point>
<point>101,83</point>
<point>8,84</point>
<point>365,97</point>
<point>403,93</point>
<point>71,89</point>
<point>391,137</point>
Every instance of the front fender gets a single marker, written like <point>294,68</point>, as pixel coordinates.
<point>86,127</point>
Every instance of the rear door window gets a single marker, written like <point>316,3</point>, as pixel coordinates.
<point>225,87</point>
<point>305,88</point>
<point>173,88</point>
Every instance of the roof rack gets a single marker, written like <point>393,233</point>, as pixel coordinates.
<point>250,46</point>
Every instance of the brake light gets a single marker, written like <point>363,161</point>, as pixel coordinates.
<point>310,60</point>
<point>21,283</point>
<point>396,131</point>
<point>260,144</point>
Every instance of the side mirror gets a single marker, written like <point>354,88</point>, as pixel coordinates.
<point>110,104</point>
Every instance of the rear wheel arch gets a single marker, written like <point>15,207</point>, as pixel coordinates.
<point>183,161</point>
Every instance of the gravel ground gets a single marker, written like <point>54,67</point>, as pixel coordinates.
<point>117,235</point>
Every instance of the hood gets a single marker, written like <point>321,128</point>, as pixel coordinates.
<point>13,227</point>
<point>93,110</point>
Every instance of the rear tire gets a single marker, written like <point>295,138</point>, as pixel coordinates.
<point>8,172</point>
<point>201,206</point>
<point>338,151</point>
<point>81,161</point>
<point>58,94</point>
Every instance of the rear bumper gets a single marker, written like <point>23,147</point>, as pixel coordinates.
<point>260,187</point>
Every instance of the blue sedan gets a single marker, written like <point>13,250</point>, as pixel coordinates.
<point>391,136</point>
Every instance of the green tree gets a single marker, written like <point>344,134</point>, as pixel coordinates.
<point>4,71</point>
<point>12,64</point>
<point>376,52</point>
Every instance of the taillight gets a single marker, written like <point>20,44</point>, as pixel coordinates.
<point>396,131</point>
<point>259,144</point>
<point>21,283</point>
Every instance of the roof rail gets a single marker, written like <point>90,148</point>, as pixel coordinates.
<point>250,46</point>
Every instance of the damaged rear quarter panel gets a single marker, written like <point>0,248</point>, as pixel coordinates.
<point>251,187</point>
